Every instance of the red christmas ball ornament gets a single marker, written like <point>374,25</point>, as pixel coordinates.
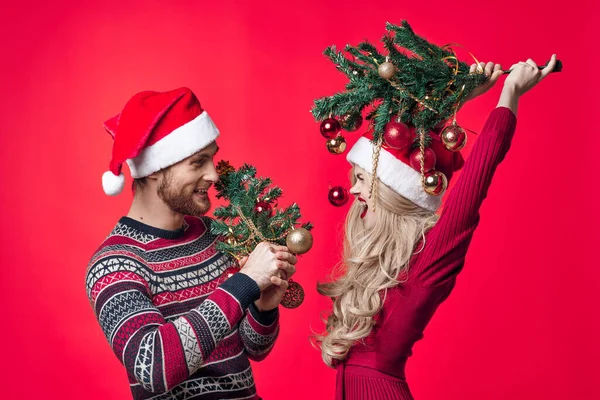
<point>415,159</point>
<point>330,128</point>
<point>338,196</point>
<point>397,135</point>
<point>293,296</point>
<point>262,207</point>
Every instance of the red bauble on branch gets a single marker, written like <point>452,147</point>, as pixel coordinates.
<point>262,207</point>
<point>330,128</point>
<point>415,159</point>
<point>398,136</point>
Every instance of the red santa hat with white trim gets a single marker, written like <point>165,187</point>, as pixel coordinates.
<point>156,130</point>
<point>394,167</point>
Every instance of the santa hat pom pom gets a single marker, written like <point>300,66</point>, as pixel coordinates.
<point>112,184</point>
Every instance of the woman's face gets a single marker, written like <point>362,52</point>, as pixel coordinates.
<point>361,191</point>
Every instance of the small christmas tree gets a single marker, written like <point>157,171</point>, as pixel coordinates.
<point>417,82</point>
<point>251,217</point>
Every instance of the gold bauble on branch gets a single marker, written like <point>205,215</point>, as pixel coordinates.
<point>299,241</point>
<point>435,183</point>
<point>454,137</point>
<point>231,241</point>
<point>337,145</point>
<point>386,70</point>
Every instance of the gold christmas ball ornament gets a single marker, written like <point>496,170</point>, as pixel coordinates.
<point>351,122</point>
<point>230,240</point>
<point>299,241</point>
<point>386,70</point>
<point>337,145</point>
<point>454,137</point>
<point>435,183</point>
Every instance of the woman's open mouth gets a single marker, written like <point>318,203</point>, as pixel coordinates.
<point>365,207</point>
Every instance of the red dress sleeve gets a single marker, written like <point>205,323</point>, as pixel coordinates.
<point>446,244</point>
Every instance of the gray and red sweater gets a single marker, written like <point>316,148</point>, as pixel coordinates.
<point>182,325</point>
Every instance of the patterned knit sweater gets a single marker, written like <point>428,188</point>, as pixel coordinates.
<point>179,325</point>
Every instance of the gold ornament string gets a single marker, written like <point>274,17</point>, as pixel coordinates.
<point>398,87</point>
<point>403,90</point>
<point>373,188</point>
<point>422,150</point>
<point>457,104</point>
<point>449,48</point>
<point>254,232</point>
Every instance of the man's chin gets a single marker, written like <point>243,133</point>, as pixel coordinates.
<point>203,207</point>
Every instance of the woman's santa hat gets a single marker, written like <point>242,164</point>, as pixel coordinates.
<point>156,130</point>
<point>394,169</point>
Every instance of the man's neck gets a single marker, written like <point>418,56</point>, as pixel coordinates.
<point>151,210</point>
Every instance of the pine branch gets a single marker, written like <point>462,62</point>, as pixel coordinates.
<point>427,88</point>
<point>238,223</point>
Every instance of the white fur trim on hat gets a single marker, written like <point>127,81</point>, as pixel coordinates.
<point>175,147</point>
<point>399,176</point>
<point>112,184</point>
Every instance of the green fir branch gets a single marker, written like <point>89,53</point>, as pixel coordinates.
<point>425,90</point>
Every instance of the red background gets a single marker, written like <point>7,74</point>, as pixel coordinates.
<point>522,322</point>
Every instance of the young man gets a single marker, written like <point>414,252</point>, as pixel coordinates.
<point>179,321</point>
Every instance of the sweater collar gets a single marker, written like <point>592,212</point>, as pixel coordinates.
<point>151,230</point>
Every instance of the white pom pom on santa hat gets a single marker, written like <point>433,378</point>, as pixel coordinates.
<point>112,184</point>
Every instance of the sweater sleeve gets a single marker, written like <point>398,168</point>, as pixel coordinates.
<point>446,244</point>
<point>159,354</point>
<point>258,331</point>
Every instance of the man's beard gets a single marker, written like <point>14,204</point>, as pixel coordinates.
<point>181,200</point>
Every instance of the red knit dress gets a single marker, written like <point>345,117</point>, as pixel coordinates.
<point>374,368</point>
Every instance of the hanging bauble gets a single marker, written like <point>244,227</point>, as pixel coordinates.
<point>415,159</point>
<point>386,70</point>
<point>435,183</point>
<point>262,207</point>
<point>330,128</point>
<point>293,296</point>
<point>398,136</point>
<point>338,196</point>
<point>299,240</point>
<point>231,240</point>
<point>454,137</point>
<point>351,121</point>
<point>337,145</point>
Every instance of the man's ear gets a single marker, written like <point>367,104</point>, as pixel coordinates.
<point>156,175</point>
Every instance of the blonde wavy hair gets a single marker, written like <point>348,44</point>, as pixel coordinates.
<point>374,260</point>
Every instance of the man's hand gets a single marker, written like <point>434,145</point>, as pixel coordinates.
<point>272,294</point>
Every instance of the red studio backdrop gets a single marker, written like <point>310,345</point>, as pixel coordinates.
<point>522,322</point>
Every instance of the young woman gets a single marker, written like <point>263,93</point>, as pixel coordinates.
<point>401,260</point>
